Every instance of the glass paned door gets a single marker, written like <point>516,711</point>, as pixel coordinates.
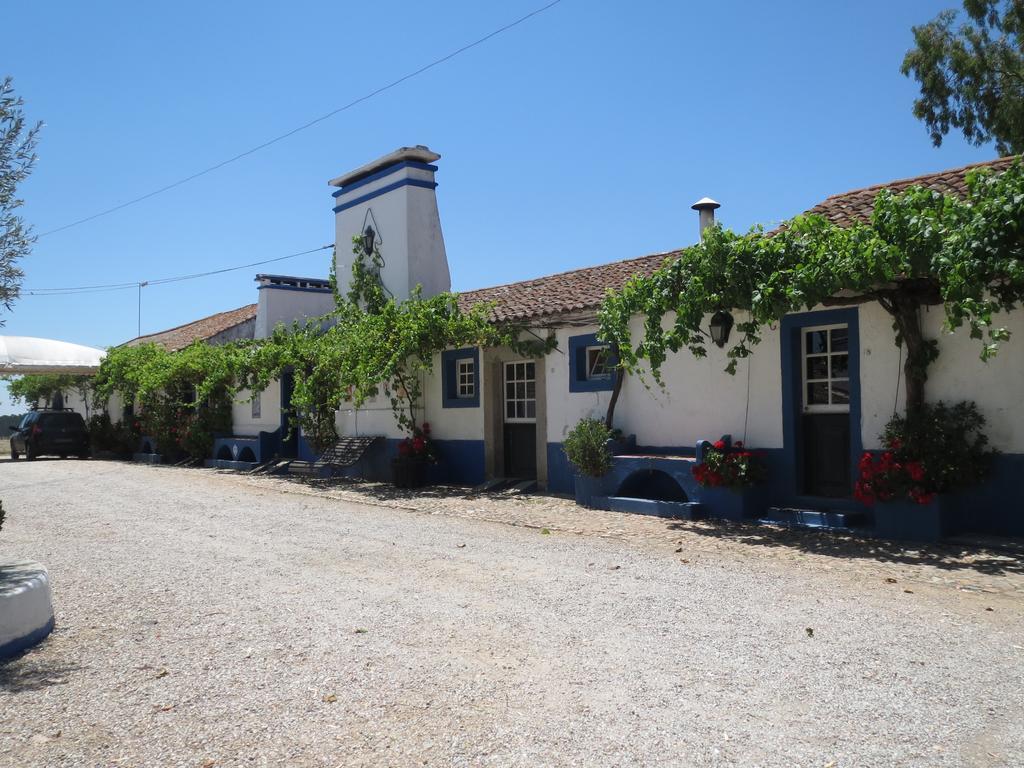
<point>826,369</point>
<point>520,392</point>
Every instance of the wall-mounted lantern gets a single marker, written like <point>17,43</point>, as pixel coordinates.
<point>721,324</point>
<point>369,240</point>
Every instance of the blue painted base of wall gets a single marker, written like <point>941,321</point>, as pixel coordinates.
<point>996,508</point>
<point>19,644</point>
<point>460,462</point>
<point>247,448</point>
<point>243,466</point>
<point>678,510</point>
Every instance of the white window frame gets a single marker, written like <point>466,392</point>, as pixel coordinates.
<point>465,378</point>
<point>525,400</point>
<point>829,407</point>
<point>599,348</point>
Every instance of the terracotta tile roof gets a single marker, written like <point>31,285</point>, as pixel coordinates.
<point>858,204</point>
<point>583,289</point>
<point>206,328</point>
<point>579,289</point>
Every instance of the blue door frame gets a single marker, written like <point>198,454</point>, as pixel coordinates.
<point>792,403</point>
<point>289,436</point>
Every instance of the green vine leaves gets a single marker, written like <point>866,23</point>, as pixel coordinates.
<point>920,245</point>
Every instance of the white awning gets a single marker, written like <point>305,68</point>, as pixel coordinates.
<point>25,354</point>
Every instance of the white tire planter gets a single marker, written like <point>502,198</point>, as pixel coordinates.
<point>26,609</point>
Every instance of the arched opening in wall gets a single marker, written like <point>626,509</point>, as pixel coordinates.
<point>652,484</point>
<point>224,453</point>
<point>247,455</point>
<point>147,447</point>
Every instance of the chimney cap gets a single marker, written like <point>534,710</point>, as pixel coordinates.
<point>706,204</point>
<point>419,153</point>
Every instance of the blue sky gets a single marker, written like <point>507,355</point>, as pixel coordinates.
<point>580,137</point>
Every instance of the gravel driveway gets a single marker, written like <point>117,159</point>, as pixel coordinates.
<point>206,622</point>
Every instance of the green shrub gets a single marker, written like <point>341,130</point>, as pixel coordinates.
<point>105,436</point>
<point>939,449</point>
<point>586,446</point>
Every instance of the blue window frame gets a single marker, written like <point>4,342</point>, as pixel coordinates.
<point>590,365</point>
<point>460,378</point>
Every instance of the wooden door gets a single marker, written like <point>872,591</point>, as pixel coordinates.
<point>520,419</point>
<point>826,411</point>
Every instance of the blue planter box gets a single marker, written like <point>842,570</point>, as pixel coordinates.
<point>729,504</point>
<point>587,489</point>
<point>907,521</point>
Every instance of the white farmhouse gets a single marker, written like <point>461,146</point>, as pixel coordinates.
<point>496,415</point>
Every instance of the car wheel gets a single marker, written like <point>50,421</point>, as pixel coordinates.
<point>63,455</point>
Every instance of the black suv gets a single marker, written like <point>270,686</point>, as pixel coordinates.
<point>54,433</point>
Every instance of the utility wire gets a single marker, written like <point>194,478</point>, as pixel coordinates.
<point>163,280</point>
<point>303,127</point>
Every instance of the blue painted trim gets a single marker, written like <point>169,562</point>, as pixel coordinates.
<point>385,190</point>
<point>293,288</point>
<point>578,381</point>
<point>792,397</point>
<point>19,644</point>
<point>381,174</point>
<point>449,398</point>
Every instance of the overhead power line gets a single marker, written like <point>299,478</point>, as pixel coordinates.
<point>310,124</point>
<point>104,288</point>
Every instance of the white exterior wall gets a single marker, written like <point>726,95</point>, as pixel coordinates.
<point>279,305</point>
<point>699,400</point>
<point>373,418</point>
<point>958,374</point>
<point>376,417</point>
<point>242,421</point>
<point>408,226</point>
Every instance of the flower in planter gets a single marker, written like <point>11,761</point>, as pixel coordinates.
<point>939,450</point>
<point>724,467</point>
<point>419,445</point>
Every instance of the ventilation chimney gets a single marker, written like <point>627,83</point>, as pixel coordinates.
<point>390,206</point>
<point>706,208</point>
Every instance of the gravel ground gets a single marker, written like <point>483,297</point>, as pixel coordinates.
<point>205,620</point>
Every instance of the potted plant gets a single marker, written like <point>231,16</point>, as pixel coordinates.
<point>409,467</point>
<point>928,456</point>
<point>730,476</point>
<point>586,447</point>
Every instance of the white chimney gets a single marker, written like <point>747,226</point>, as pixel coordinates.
<point>706,208</point>
<point>394,198</point>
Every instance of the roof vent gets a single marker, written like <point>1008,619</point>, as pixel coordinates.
<point>706,208</point>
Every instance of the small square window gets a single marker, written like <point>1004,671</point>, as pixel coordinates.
<point>597,363</point>
<point>465,378</point>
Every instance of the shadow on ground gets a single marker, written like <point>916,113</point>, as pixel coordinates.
<point>24,673</point>
<point>997,558</point>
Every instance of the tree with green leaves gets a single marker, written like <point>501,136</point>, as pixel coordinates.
<point>17,156</point>
<point>920,248</point>
<point>972,74</point>
<point>44,387</point>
